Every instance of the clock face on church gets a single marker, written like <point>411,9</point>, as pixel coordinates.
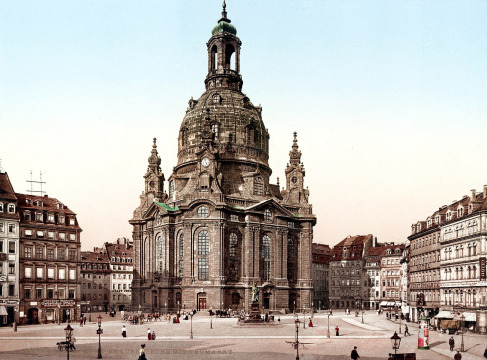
<point>205,162</point>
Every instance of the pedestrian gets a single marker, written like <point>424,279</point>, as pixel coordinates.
<point>71,343</point>
<point>458,356</point>
<point>84,320</point>
<point>310,324</point>
<point>149,334</point>
<point>142,352</point>
<point>124,331</point>
<point>81,321</point>
<point>354,355</point>
<point>406,331</point>
<point>337,331</point>
<point>452,343</point>
<point>485,353</point>
<point>153,335</point>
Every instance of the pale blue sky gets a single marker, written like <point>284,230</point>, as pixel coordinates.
<point>387,97</point>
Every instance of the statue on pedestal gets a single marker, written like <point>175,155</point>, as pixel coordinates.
<point>255,293</point>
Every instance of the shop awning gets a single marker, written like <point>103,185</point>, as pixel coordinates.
<point>391,303</point>
<point>383,303</point>
<point>444,315</point>
<point>3,311</point>
<point>469,316</point>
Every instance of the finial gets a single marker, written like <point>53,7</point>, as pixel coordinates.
<point>224,13</point>
<point>154,144</point>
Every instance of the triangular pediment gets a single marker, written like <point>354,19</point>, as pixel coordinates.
<point>280,210</point>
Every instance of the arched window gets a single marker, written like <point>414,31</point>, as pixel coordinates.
<point>266,257</point>
<point>258,186</point>
<point>234,256</point>
<point>267,215</point>
<point>291,259</point>
<point>160,254</point>
<point>171,188</point>
<point>214,58</point>
<point>203,251</point>
<point>181,255</point>
<point>229,51</point>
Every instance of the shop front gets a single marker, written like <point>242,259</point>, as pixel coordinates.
<point>8,309</point>
<point>50,311</point>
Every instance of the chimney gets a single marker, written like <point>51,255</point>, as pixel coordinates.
<point>485,191</point>
<point>474,193</point>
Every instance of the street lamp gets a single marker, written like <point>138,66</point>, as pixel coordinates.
<point>191,334</point>
<point>165,307</point>
<point>69,333</point>
<point>328,331</point>
<point>99,332</point>
<point>395,341</point>
<point>178,307</point>
<point>462,318</point>
<point>362,309</point>
<point>400,321</point>
<point>304,317</point>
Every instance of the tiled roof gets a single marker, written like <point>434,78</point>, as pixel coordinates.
<point>94,257</point>
<point>48,203</point>
<point>354,240</point>
<point>6,189</point>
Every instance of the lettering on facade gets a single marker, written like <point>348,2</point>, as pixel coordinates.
<point>482,268</point>
<point>56,303</point>
<point>3,277</point>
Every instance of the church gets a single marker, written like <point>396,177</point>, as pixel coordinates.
<point>221,226</point>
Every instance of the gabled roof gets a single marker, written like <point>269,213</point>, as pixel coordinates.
<point>354,240</point>
<point>6,189</point>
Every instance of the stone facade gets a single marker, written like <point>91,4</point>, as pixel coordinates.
<point>348,272</point>
<point>9,252</point>
<point>223,226</point>
<point>372,278</point>
<point>321,275</point>
<point>50,286</point>
<point>95,280</point>
<point>120,258</point>
<point>390,269</point>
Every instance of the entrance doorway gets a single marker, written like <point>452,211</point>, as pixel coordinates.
<point>201,301</point>
<point>267,300</point>
<point>33,316</point>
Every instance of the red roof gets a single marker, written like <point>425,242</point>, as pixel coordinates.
<point>48,203</point>
<point>6,189</point>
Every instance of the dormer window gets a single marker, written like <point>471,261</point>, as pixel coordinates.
<point>50,217</point>
<point>61,219</point>
<point>71,221</point>
<point>437,219</point>
<point>39,203</point>
<point>60,206</point>
<point>11,208</point>
<point>460,212</point>
<point>39,217</point>
<point>28,201</point>
<point>27,216</point>
<point>430,222</point>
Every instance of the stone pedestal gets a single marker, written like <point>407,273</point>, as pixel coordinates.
<point>255,313</point>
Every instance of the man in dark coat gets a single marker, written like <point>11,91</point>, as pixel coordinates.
<point>458,356</point>
<point>354,355</point>
<point>452,343</point>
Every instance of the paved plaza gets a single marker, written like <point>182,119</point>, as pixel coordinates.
<point>224,339</point>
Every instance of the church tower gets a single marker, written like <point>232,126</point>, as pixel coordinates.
<point>223,225</point>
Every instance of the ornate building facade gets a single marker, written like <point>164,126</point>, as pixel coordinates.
<point>9,252</point>
<point>223,225</point>
<point>346,265</point>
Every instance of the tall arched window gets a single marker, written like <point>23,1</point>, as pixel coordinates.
<point>181,255</point>
<point>234,257</point>
<point>291,259</point>
<point>203,251</point>
<point>160,254</point>
<point>266,257</point>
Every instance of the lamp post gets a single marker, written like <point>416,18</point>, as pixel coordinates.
<point>178,307</point>
<point>99,332</point>
<point>69,333</point>
<point>462,318</point>
<point>296,342</point>
<point>304,317</point>
<point>294,306</point>
<point>328,331</point>
<point>191,333</point>
<point>165,307</point>
<point>362,309</point>
<point>319,306</point>
<point>395,341</point>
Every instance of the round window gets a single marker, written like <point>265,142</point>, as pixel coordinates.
<point>294,179</point>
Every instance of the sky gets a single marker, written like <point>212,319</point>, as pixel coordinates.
<point>387,98</point>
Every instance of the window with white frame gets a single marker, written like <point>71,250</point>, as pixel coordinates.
<point>12,229</point>
<point>28,272</point>
<point>39,273</point>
